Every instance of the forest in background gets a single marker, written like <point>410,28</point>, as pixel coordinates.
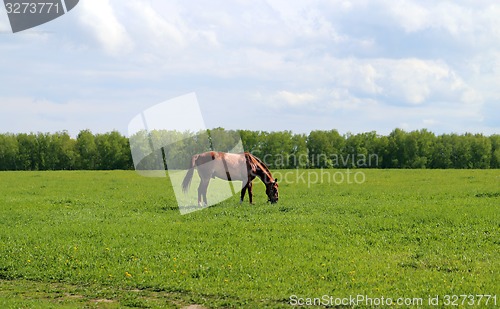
<point>282,149</point>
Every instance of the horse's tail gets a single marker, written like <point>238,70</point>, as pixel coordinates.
<point>187,179</point>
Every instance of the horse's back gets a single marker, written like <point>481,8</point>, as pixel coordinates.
<point>222,165</point>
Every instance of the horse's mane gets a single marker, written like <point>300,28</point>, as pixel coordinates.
<point>262,166</point>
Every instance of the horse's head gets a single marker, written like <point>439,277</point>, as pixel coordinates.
<point>272,191</point>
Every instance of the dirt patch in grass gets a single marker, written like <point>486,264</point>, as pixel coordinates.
<point>46,294</point>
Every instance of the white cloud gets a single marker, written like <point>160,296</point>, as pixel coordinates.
<point>410,15</point>
<point>99,16</point>
<point>27,114</point>
<point>4,21</point>
<point>484,73</point>
<point>359,75</point>
<point>409,81</point>
<point>294,99</point>
<point>357,64</point>
<point>305,21</point>
<point>386,93</point>
<point>475,22</point>
<point>416,81</point>
<point>154,29</point>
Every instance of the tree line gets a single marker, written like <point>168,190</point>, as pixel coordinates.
<point>282,149</point>
<point>59,151</point>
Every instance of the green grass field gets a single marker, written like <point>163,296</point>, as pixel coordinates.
<point>116,239</point>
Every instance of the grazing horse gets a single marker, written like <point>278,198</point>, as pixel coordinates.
<point>230,166</point>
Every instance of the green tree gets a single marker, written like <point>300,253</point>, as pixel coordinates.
<point>378,152</point>
<point>28,152</point>
<point>395,156</point>
<point>298,154</point>
<point>418,148</point>
<point>113,151</point>
<point>442,151</point>
<point>142,144</point>
<point>461,154</point>
<point>44,156</point>
<point>63,151</point>
<point>355,150</point>
<point>252,141</point>
<point>495,151</point>
<point>480,151</point>
<point>86,149</point>
<point>223,140</point>
<point>323,146</point>
<point>9,150</point>
<point>276,149</point>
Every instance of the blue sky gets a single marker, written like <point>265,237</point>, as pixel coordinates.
<point>354,66</point>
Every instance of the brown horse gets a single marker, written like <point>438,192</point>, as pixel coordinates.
<point>230,166</point>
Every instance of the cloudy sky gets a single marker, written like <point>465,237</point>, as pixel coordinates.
<point>272,65</point>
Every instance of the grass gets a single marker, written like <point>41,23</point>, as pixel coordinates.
<point>116,239</point>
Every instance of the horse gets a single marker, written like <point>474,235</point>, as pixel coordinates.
<point>230,166</point>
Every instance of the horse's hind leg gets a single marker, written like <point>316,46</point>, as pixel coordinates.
<point>247,186</point>
<point>202,192</point>
<point>243,191</point>
<point>250,192</point>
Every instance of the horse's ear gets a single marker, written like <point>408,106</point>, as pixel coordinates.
<point>276,181</point>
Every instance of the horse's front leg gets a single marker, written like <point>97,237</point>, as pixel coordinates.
<point>250,192</point>
<point>242,196</point>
